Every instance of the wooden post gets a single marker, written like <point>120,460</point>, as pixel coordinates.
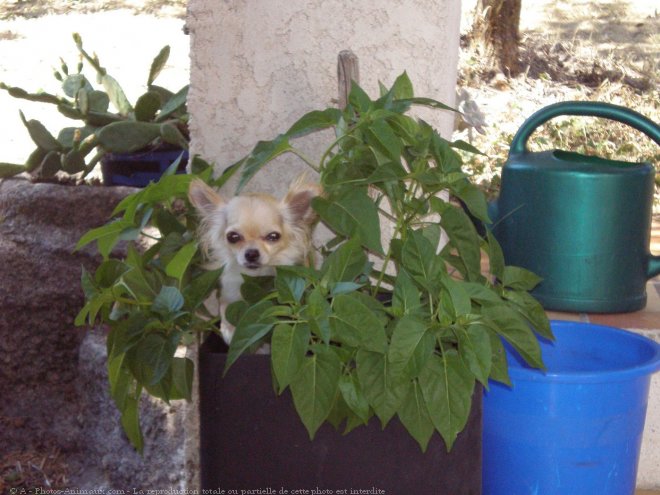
<point>347,70</point>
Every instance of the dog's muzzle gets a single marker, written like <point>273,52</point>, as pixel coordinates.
<point>252,258</point>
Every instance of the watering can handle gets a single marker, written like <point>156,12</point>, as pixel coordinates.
<point>587,109</point>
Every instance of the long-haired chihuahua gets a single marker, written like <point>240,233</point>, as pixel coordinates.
<point>251,234</point>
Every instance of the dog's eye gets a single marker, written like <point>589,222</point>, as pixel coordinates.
<point>233,237</point>
<point>273,237</point>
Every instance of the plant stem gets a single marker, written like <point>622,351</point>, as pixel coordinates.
<point>330,148</point>
<point>306,159</point>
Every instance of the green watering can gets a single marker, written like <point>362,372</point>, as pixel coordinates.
<point>580,222</point>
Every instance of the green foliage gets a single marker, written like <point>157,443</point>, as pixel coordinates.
<point>389,325</point>
<point>158,116</point>
<point>401,327</point>
<point>152,301</point>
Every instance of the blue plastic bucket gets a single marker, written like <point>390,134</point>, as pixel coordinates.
<point>577,428</point>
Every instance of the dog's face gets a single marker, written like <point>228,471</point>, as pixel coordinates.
<point>255,232</point>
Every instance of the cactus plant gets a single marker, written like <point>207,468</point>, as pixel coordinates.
<point>109,123</point>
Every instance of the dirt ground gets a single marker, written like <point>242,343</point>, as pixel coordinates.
<point>574,49</point>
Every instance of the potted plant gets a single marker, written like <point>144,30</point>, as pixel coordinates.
<point>134,142</point>
<point>405,330</point>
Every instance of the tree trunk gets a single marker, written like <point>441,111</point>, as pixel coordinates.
<point>496,24</point>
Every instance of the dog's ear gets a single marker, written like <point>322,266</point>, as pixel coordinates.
<point>205,199</point>
<point>298,200</point>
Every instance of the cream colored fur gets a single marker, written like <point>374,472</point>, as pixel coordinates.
<point>252,234</point>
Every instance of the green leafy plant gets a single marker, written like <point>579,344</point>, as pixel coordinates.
<point>401,328</point>
<point>151,300</point>
<point>158,116</point>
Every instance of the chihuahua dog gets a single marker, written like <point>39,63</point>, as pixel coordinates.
<point>251,234</point>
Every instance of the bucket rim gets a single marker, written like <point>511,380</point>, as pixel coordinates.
<point>644,368</point>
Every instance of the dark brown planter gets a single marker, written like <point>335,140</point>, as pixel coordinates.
<point>251,439</point>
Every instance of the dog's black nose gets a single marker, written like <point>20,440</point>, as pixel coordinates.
<point>252,255</point>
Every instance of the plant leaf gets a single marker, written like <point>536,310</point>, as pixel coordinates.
<point>419,259</point>
<point>464,146</point>
<point>345,263</point>
<point>358,98</point>
<point>10,169</point>
<point>200,288</point>
<point>50,165</point>
<point>510,325</point>
<point>350,389</point>
<point>158,64</point>
<point>116,95</point>
<point>480,293</point>
<point>447,386</point>
<point>314,121</point>
<point>381,390</point>
<point>179,264</point>
<point>402,87</point>
<point>73,162</point>
<point>171,134</point>
<point>150,359</point>
<point>474,347</point>
<point>463,235</point>
<point>147,106</point>
<point>74,83</point>
<point>98,101</point>
<point>518,278</point>
<point>109,233</point>
<point>130,421</point>
<point>473,198</point>
<point>315,386</point>
<point>317,313</point>
<point>128,136</point>
<point>120,380</point>
<point>262,153</point>
<point>380,136</point>
<point>406,299</point>
<point>414,415</point>
<point>353,214</point>
<point>460,299</point>
<point>139,284</point>
<point>40,135</point>
<point>500,369</point>
<point>244,337</point>
<point>427,102</point>
<point>183,371</point>
<point>173,105</point>
<point>410,347</point>
<point>495,256</point>
<point>354,324</point>
<point>168,301</point>
<point>288,347</point>
<point>532,311</point>
<point>289,284</point>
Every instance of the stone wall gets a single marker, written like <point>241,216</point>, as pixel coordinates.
<point>53,378</point>
<point>40,295</point>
